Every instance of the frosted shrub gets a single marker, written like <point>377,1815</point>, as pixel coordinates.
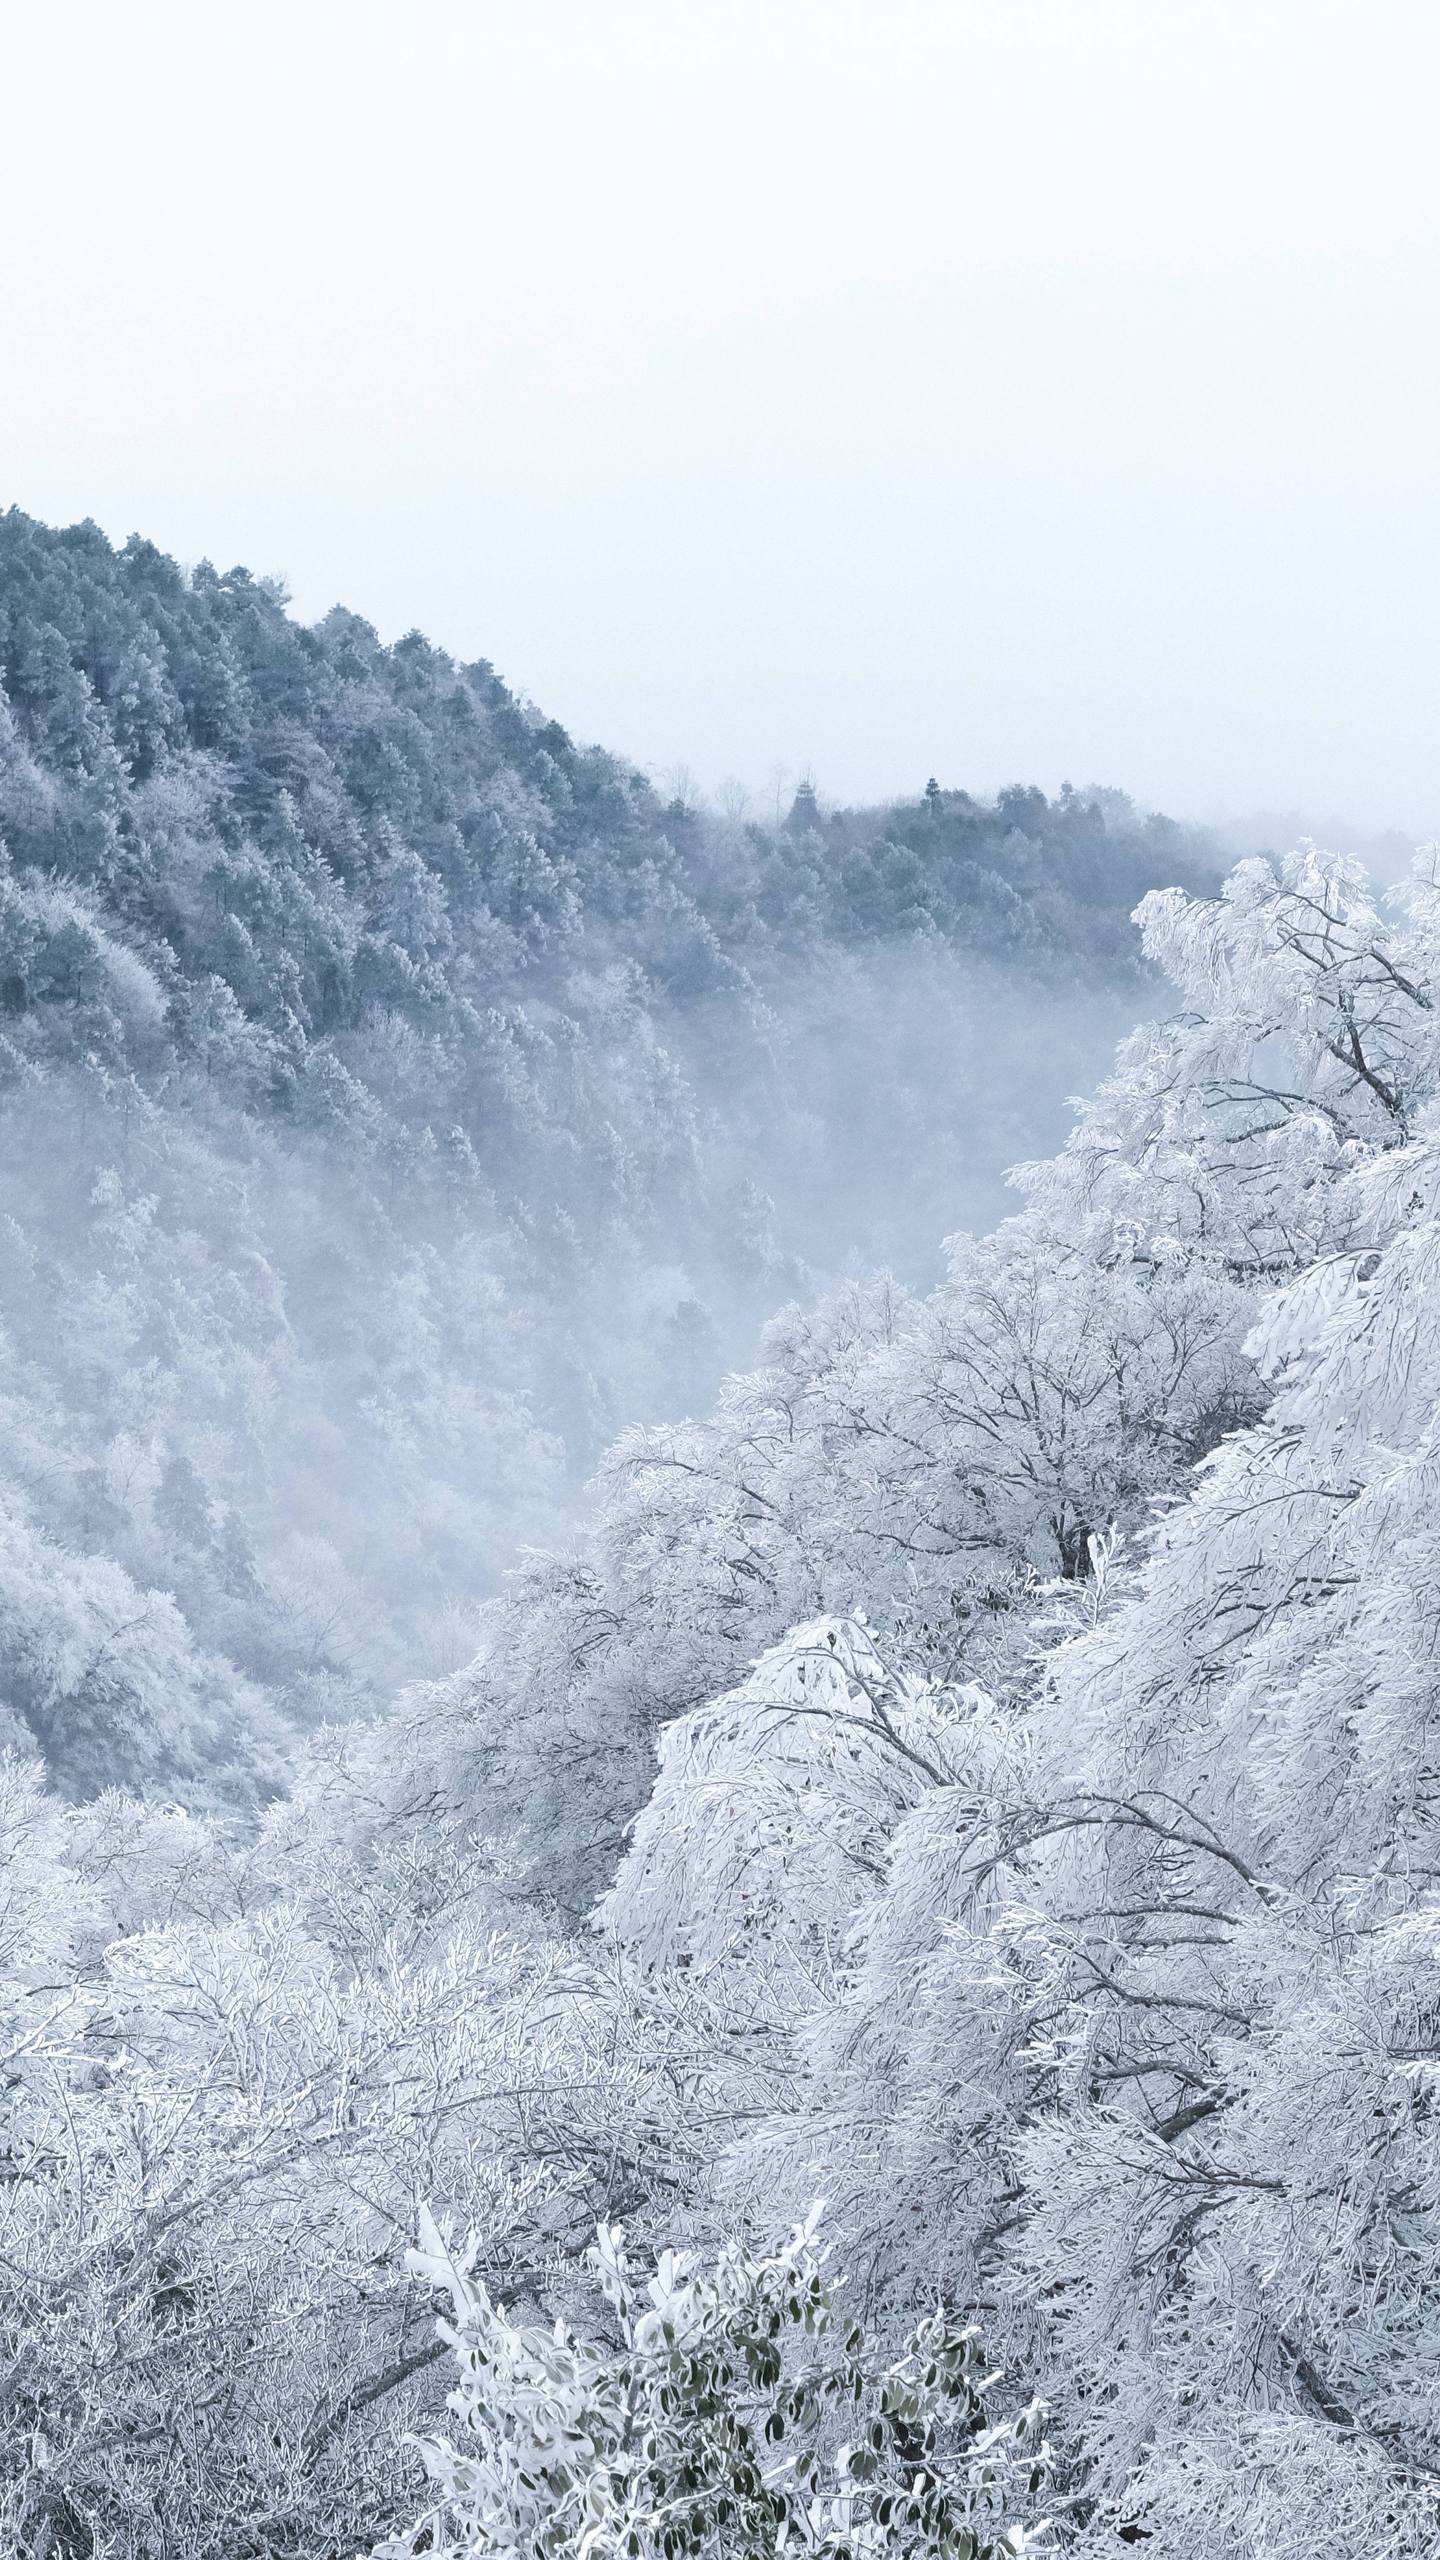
<point>733,2409</point>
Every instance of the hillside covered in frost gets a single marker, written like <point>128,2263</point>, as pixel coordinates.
<point>399,1100</point>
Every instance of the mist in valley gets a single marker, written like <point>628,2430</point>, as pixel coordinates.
<point>321,1400</point>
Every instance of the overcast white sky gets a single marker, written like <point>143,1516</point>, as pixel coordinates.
<point>995,388</point>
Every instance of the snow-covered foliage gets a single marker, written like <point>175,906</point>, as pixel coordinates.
<point>986,1774</point>
<point>1236,2201</point>
<point>219,2128</point>
<point>709,2425</point>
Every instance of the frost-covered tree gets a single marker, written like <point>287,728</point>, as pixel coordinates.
<point>1233,2208</point>
<point>225,2106</point>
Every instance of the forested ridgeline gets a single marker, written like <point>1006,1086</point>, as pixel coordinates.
<point>983,1775</point>
<point>399,1099</point>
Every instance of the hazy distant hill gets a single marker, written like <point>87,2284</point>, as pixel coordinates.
<point>398,1097</point>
